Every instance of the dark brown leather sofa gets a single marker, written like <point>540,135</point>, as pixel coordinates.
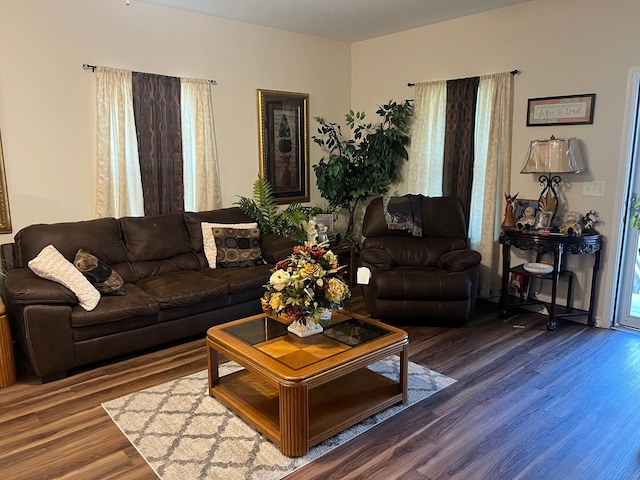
<point>171,293</point>
<point>430,280</point>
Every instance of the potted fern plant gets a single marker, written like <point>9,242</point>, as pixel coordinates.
<point>262,207</point>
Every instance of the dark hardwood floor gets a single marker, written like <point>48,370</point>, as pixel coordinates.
<point>528,404</point>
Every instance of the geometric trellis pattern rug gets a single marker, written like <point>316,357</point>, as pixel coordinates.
<point>183,433</point>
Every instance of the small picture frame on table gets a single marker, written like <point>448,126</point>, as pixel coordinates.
<point>543,220</point>
<point>526,210</point>
<point>519,286</point>
<point>324,223</point>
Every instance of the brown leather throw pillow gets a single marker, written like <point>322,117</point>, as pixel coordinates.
<point>106,280</point>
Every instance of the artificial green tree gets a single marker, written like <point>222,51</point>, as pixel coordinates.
<point>365,164</point>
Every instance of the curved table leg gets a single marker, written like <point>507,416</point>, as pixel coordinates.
<point>557,262</point>
<point>506,261</point>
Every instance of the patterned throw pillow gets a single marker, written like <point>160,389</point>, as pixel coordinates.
<point>209,241</point>
<point>237,246</point>
<point>106,280</point>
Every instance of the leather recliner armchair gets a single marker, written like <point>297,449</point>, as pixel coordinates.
<point>432,279</point>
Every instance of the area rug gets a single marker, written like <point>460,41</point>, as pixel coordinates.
<point>182,432</point>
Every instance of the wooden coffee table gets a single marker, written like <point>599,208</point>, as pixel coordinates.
<point>301,391</point>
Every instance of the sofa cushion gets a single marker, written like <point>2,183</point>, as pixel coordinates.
<point>156,237</point>
<point>414,283</point>
<point>106,280</point>
<point>179,288</point>
<point>124,309</point>
<point>276,247</point>
<point>102,237</point>
<point>151,268</point>
<point>50,264</point>
<point>240,279</point>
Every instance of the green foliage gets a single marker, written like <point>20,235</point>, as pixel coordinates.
<point>263,208</point>
<point>365,164</point>
<point>635,214</point>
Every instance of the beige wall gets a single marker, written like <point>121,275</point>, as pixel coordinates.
<point>562,47</point>
<point>47,112</point>
<point>47,101</point>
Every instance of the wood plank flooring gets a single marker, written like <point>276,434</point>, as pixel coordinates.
<point>528,404</point>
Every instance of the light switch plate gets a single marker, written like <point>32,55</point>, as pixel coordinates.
<point>594,189</point>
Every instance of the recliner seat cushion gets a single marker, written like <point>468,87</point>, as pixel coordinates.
<point>425,252</point>
<point>407,283</point>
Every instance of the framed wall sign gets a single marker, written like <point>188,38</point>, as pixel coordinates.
<point>284,146</point>
<point>565,110</point>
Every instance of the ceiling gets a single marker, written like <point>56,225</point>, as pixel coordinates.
<point>343,20</point>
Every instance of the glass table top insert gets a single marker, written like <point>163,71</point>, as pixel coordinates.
<point>271,337</point>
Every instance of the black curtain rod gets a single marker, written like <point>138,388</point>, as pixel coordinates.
<point>512,72</point>
<point>86,66</point>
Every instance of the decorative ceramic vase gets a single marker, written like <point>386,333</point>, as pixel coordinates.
<point>305,329</point>
<point>325,317</point>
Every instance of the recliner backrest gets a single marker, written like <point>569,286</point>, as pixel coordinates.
<point>444,230</point>
<point>441,217</point>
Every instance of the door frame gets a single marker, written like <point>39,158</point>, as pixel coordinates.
<point>616,240</point>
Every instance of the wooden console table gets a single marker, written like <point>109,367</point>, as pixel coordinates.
<point>347,249</point>
<point>558,245</point>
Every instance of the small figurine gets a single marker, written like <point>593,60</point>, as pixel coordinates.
<point>312,232</point>
<point>509,215</point>
<point>590,220</point>
<point>571,224</point>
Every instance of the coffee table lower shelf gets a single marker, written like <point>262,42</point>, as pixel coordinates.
<point>332,406</point>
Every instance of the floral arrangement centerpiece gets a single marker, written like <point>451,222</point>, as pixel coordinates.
<point>304,285</point>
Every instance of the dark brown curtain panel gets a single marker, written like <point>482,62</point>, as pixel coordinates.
<point>156,106</point>
<point>457,175</point>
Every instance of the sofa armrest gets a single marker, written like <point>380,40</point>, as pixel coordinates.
<point>46,339</point>
<point>276,247</point>
<point>23,287</point>
<point>459,260</point>
<point>376,259</point>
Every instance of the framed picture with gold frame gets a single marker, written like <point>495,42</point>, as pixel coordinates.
<point>284,146</point>
<point>5,216</point>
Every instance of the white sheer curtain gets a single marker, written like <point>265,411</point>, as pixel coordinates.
<point>200,162</point>
<point>426,152</point>
<point>119,186</point>
<point>492,163</point>
<point>491,175</point>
